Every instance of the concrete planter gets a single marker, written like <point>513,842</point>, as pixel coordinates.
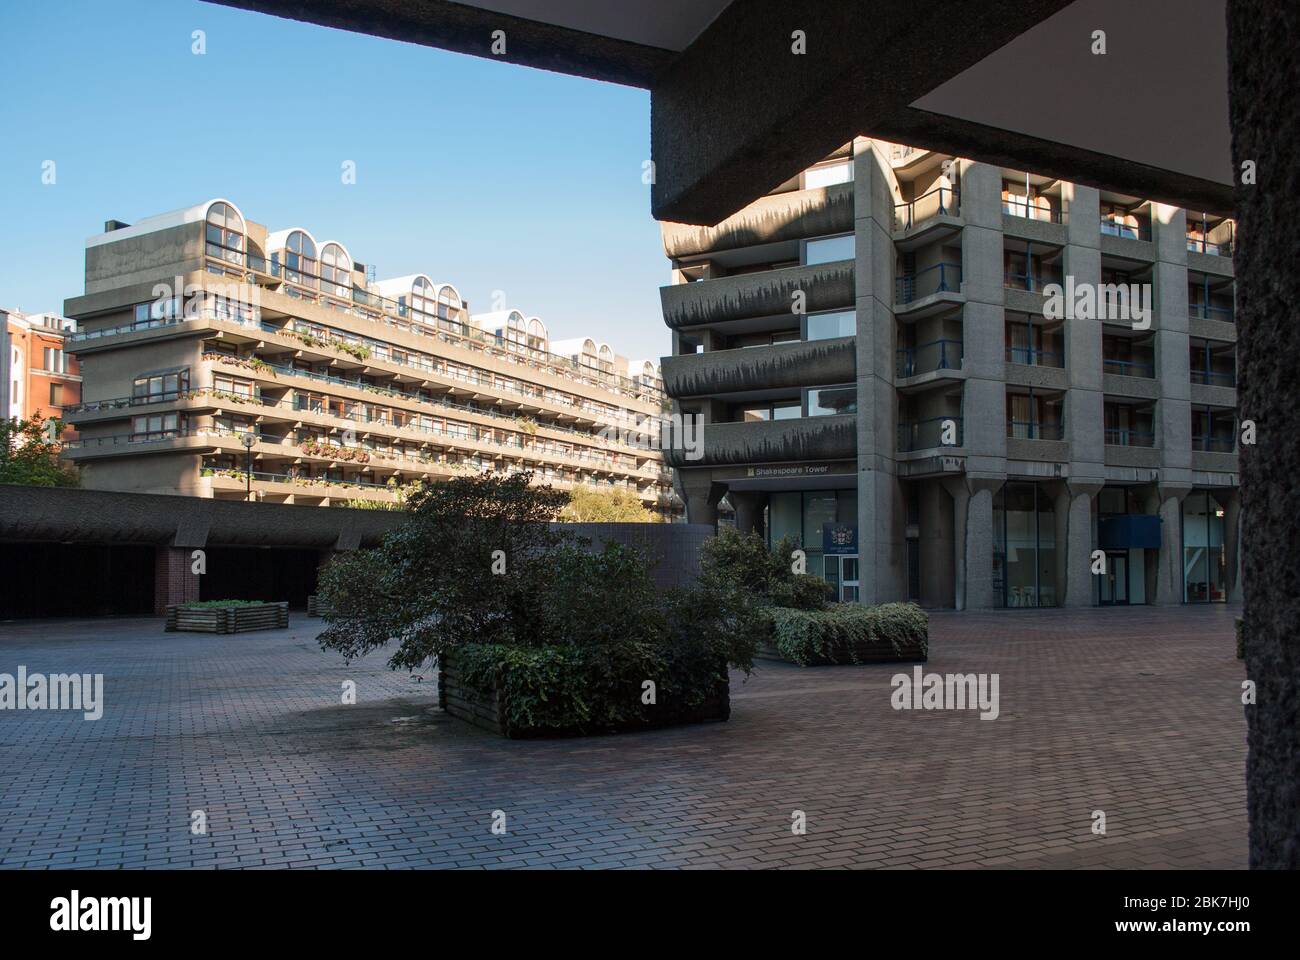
<point>262,616</point>
<point>489,712</point>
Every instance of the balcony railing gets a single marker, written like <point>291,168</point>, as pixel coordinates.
<point>1214,378</point>
<point>1206,311</point>
<point>938,278</point>
<point>1214,444</point>
<point>1033,430</point>
<point>1124,437</point>
<point>1111,227</point>
<point>1018,206</point>
<point>930,433</point>
<point>1129,368</point>
<point>1033,357</point>
<point>1201,242</point>
<point>939,202</point>
<point>1035,280</point>
<point>929,357</point>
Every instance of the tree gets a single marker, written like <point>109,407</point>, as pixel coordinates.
<point>587,505</point>
<point>29,453</point>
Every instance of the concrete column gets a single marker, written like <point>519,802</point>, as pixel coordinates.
<point>960,498</point>
<point>1074,543</point>
<point>1165,576</point>
<point>1084,401</point>
<point>701,495</point>
<point>937,558</point>
<point>174,578</point>
<point>979,544</point>
<point>748,505</point>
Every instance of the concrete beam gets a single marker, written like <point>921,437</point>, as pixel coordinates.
<point>739,112</point>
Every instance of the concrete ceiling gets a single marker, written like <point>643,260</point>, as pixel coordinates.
<point>735,112</point>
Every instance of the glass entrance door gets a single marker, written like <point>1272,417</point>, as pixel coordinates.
<point>841,572</point>
<point>1114,582</point>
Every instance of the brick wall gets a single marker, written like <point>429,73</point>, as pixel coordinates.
<point>173,581</point>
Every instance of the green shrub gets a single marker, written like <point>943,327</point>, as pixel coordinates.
<point>215,604</point>
<point>841,633</point>
<point>744,561</point>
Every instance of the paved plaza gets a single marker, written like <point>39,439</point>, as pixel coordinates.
<point>1132,712</point>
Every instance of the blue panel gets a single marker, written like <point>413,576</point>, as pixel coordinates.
<point>1130,531</point>
<point>839,538</point>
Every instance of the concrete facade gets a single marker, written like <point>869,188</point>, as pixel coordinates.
<point>1042,382</point>
<point>224,360</point>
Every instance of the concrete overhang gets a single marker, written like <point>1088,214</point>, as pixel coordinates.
<point>736,109</point>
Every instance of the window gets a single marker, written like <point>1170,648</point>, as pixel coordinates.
<point>242,388</point>
<point>56,361</point>
<point>225,234</point>
<point>158,426</point>
<point>780,410</point>
<point>826,326</point>
<point>56,394</point>
<point>829,249</point>
<point>336,270</point>
<point>161,386</point>
<point>828,174</point>
<point>1205,556</point>
<point>1024,549</point>
<point>829,401</point>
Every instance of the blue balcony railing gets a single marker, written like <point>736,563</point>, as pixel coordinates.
<point>939,278</point>
<point>1034,280</point>
<point>1034,430</point>
<point>1039,208</point>
<point>1033,357</point>
<point>1214,378</point>
<point>1111,227</point>
<point>939,202</point>
<point>1214,444</point>
<point>1124,437</point>
<point>1206,311</point>
<point>929,357</point>
<point>1129,368</point>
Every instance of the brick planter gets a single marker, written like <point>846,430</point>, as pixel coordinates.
<point>488,712</point>
<point>262,616</point>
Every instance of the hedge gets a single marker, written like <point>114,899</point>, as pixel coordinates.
<point>850,633</point>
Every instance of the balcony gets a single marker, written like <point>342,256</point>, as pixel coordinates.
<point>1034,357</point>
<point>930,434</point>
<point>1211,238</point>
<point>781,365</point>
<point>930,282</point>
<point>1034,430</point>
<point>1125,437</point>
<point>795,215</point>
<point>827,286</point>
<point>939,202</point>
<point>1125,228</point>
<point>932,357</point>
<point>1214,444</point>
<point>1129,368</point>
<point>1033,280</point>
<point>771,441</point>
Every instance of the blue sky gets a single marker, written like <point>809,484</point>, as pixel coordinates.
<point>484,174</point>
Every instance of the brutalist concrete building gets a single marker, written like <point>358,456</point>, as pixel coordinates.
<point>963,384</point>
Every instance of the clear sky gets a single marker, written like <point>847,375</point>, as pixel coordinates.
<point>491,176</point>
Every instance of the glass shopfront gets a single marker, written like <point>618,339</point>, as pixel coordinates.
<point>800,515</point>
<point>1024,546</point>
<point>1205,555</point>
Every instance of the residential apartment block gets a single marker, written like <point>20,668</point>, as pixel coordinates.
<point>938,376</point>
<point>38,375</point>
<point>222,359</point>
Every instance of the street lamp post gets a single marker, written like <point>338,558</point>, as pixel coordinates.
<point>248,439</point>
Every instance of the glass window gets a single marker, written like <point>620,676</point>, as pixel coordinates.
<point>785,516</point>
<point>829,249</point>
<point>825,326</point>
<point>827,174</point>
<point>1204,550</point>
<point>827,401</point>
<point>1024,552</point>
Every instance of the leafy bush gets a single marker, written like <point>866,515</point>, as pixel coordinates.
<point>221,604</point>
<point>845,632</point>
<point>564,635</point>
<point>744,560</point>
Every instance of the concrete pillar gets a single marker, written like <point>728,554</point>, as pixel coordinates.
<point>174,579</point>
<point>701,495</point>
<point>1074,508</point>
<point>959,493</point>
<point>937,558</point>
<point>748,505</point>
<point>978,545</point>
<point>1165,575</point>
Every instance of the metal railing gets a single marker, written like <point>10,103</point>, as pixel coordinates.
<point>1214,444</point>
<point>1034,280</point>
<point>937,278</point>
<point>1214,378</point>
<point>1034,430</point>
<point>1023,207</point>
<point>1124,437</point>
<point>928,357</point>
<point>1206,311</point>
<point>1199,240</point>
<point>927,434</point>
<point>1129,368</point>
<point>1111,227</point>
<point>939,202</point>
<point>1033,357</point>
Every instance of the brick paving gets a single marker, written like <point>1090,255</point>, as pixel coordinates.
<point>1134,712</point>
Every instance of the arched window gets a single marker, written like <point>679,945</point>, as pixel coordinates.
<point>225,233</point>
<point>336,270</point>
<point>449,302</point>
<point>605,358</point>
<point>537,339</point>
<point>300,264</point>
<point>424,299</point>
